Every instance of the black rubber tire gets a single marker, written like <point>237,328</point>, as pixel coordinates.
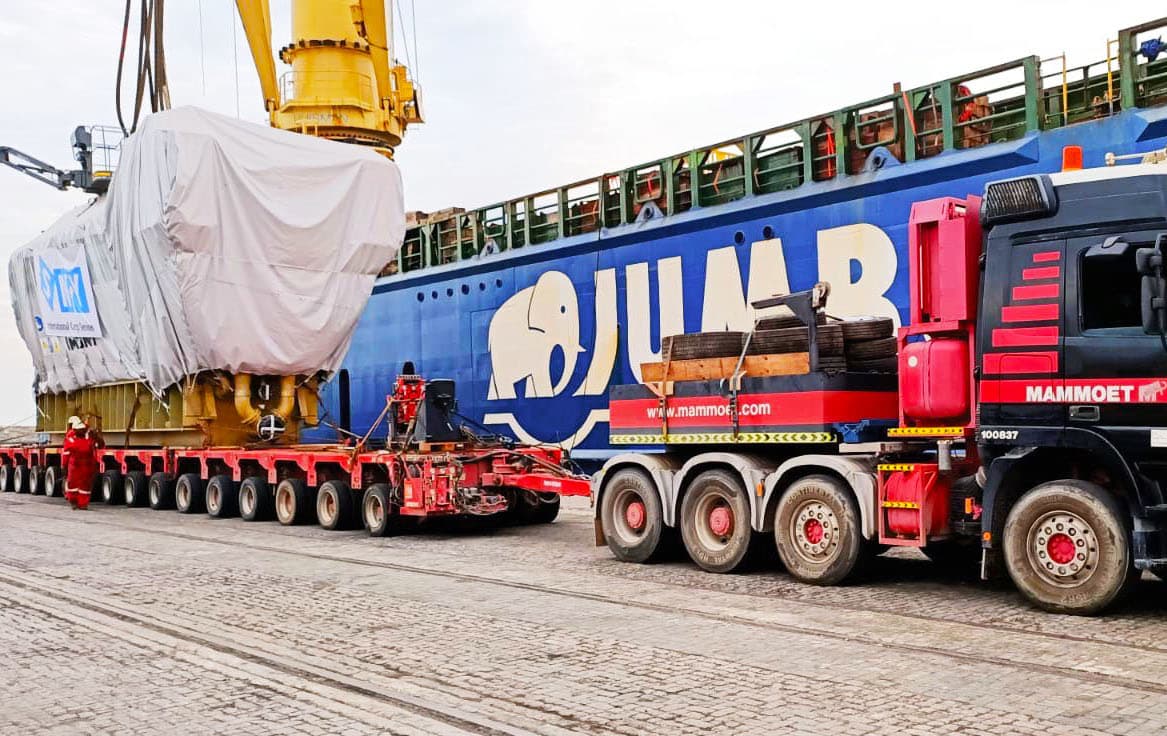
<point>536,508</point>
<point>380,514</point>
<point>547,511</point>
<point>160,491</point>
<point>6,473</point>
<point>832,363</point>
<point>36,476</point>
<point>54,481</point>
<point>785,322</point>
<point>844,548</point>
<point>335,509</point>
<point>884,347</point>
<point>111,488</point>
<point>255,499</point>
<point>711,490</point>
<point>221,497</point>
<point>796,340</point>
<point>136,489</point>
<point>858,330</point>
<point>294,502</point>
<point>190,494</point>
<point>625,486</point>
<point>1113,572</point>
<point>957,557</point>
<point>20,479</point>
<point>696,345</point>
<point>876,365</point>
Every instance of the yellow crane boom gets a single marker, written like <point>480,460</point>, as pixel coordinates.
<point>343,83</point>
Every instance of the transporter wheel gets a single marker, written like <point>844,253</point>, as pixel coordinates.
<point>631,516</point>
<point>294,502</point>
<point>36,479</point>
<point>190,494</point>
<point>222,497</point>
<point>1068,549</point>
<point>379,512</point>
<point>334,505</point>
<point>6,473</point>
<point>20,479</point>
<point>255,499</point>
<point>817,530</point>
<point>715,521</point>
<point>111,488</point>
<point>135,489</point>
<point>160,491</point>
<point>548,509</point>
<point>536,508</point>
<point>54,481</point>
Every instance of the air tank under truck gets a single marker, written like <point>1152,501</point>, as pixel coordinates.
<point>1018,423</point>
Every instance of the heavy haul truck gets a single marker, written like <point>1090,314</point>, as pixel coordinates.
<point>1025,428</point>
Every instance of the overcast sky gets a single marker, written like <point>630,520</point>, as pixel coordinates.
<point>524,95</point>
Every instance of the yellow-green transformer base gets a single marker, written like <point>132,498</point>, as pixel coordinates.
<point>205,410</point>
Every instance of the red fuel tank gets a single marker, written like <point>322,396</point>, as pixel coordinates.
<point>934,379</point>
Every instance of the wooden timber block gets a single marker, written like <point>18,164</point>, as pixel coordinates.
<point>707,369</point>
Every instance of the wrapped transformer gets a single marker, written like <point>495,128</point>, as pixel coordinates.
<point>221,276</point>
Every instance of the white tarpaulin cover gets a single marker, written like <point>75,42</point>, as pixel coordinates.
<point>220,245</point>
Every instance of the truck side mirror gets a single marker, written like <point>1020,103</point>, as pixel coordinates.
<point>1149,262</point>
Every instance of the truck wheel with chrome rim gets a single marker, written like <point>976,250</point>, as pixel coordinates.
<point>136,488</point>
<point>6,484</point>
<point>631,516</point>
<point>293,502</point>
<point>334,505</point>
<point>715,521</point>
<point>255,499</point>
<point>189,494</point>
<point>817,529</point>
<point>222,497</point>
<point>1067,548</point>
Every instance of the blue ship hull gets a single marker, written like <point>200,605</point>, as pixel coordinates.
<point>509,327</point>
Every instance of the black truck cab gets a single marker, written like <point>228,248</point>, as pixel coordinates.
<point>1071,359</point>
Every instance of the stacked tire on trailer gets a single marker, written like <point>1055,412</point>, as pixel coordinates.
<point>866,345</point>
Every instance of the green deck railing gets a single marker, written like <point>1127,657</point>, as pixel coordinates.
<point>1001,103</point>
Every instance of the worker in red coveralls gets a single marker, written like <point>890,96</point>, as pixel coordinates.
<point>79,456</point>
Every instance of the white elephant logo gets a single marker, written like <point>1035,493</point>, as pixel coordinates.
<point>524,333</point>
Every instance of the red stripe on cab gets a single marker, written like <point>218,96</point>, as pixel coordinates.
<point>1039,291</point>
<point>1020,337</point>
<point>1009,363</point>
<point>1044,272</point>
<point>1030,313</point>
<point>1046,256</point>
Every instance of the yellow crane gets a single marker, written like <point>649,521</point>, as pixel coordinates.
<point>344,83</point>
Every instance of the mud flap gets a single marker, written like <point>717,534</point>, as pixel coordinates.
<point>599,528</point>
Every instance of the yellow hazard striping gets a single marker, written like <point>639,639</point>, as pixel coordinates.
<point>892,467</point>
<point>701,438</point>
<point>926,432</point>
<point>900,505</point>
